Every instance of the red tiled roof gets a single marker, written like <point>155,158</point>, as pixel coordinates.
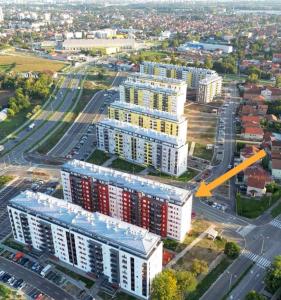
<point>251,119</point>
<point>249,150</point>
<point>276,164</point>
<point>258,183</point>
<point>253,130</point>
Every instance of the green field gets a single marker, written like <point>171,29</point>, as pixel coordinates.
<point>27,63</point>
<point>4,180</point>
<point>253,208</point>
<point>123,165</point>
<point>98,157</point>
<point>186,176</point>
<point>201,151</point>
<point>210,278</point>
<point>276,211</point>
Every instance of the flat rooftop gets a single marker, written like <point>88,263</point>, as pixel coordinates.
<point>163,191</point>
<point>146,111</point>
<point>149,86</point>
<point>80,43</point>
<point>115,231</point>
<point>184,68</point>
<point>162,79</point>
<point>146,133</point>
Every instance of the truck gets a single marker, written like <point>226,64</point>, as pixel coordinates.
<point>45,270</point>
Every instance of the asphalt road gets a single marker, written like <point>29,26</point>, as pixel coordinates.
<point>91,114</point>
<point>34,279</point>
<point>59,106</point>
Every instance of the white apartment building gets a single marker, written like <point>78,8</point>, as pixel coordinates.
<point>127,255</point>
<point>152,97</point>
<point>162,209</point>
<point>191,75</point>
<point>161,121</point>
<point>177,85</point>
<point>146,147</point>
<point>209,88</point>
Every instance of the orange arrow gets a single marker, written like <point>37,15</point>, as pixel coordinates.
<point>205,189</point>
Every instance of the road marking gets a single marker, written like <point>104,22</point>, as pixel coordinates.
<point>245,229</point>
<point>261,261</point>
<point>276,223</point>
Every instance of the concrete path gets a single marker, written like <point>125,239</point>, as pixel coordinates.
<point>190,246</point>
<point>192,147</point>
<point>109,161</point>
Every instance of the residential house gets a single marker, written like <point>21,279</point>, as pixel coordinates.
<point>276,168</point>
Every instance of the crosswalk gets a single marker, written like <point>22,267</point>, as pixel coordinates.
<point>261,261</point>
<point>276,223</point>
<point>244,230</point>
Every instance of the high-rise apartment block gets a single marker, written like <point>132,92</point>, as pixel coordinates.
<point>147,125</point>
<point>207,82</point>
<point>162,209</point>
<point>127,255</point>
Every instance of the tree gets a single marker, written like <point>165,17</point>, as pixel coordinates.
<point>232,250</point>
<point>208,63</point>
<point>273,275</point>
<point>253,295</point>
<point>164,286</point>
<point>253,78</point>
<point>199,267</point>
<point>164,45</point>
<point>186,283</point>
<point>278,81</point>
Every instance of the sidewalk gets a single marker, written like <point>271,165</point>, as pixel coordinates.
<point>109,161</point>
<point>190,246</point>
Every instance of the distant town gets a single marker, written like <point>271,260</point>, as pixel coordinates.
<point>140,150</point>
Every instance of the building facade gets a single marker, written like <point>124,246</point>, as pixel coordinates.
<point>191,75</point>
<point>147,125</point>
<point>152,97</point>
<point>160,208</point>
<point>150,119</point>
<point>146,147</point>
<point>126,255</point>
<point>209,88</point>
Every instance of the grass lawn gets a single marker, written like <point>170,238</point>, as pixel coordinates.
<point>4,180</point>
<point>206,250</point>
<point>198,226</point>
<point>58,193</point>
<point>9,294</point>
<point>28,63</point>
<point>276,211</point>
<point>201,151</point>
<point>13,244</point>
<point>123,165</point>
<point>186,176</point>
<point>89,283</point>
<point>11,124</point>
<point>252,208</point>
<point>98,157</point>
<point>210,278</point>
<point>101,82</point>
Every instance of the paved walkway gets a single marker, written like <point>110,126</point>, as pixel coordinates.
<point>109,161</point>
<point>192,147</point>
<point>189,247</point>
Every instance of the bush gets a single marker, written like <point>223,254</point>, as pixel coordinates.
<point>232,250</point>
